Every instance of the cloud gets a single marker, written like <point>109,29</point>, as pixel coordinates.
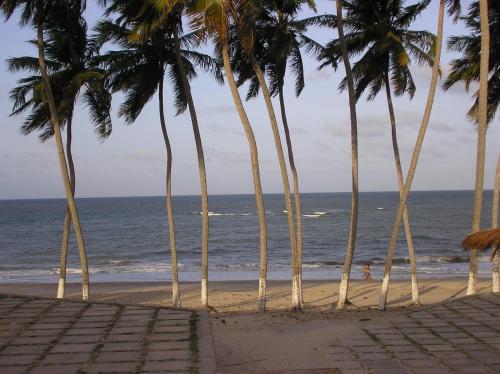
<point>220,129</point>
<point>142,156</point>
<point>318,75</point>
<point>299,131</point>
<point>441,126</point>
<point>372,125</point>
<point>225,156</point>
<point>219,109</point>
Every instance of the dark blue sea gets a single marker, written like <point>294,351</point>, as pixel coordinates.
<point>127,238</point>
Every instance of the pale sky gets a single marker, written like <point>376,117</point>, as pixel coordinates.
<point>132,161</point>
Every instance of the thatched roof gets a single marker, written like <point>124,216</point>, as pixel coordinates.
<point>483,240</point>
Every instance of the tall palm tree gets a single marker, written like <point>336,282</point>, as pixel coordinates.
<point>245,16</point>
<point>40,14</point>
<point>380,31</point>
<point>139,70</point>
<point>211,19</point>
<point>280,37</point>
<point>71,69</point>
<point>481,137</point>
<point>146,17</point>
<point>494,224</point>
<point>351,241</point>
<point>453,10</point>
<point>480,59</point>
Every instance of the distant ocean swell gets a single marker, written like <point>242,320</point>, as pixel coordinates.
<point>127,238</point>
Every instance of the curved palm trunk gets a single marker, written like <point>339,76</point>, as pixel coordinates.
<point>481,139</point>
<point>406,219</point>
<point>494,224</point>
<point>296,192</point>
<point>67,218</point>
<point>202,172</point>
<point>176,300</point>
<point>351,241</point>
<point>63,166</point>
<point>259,198</point>
<point>414,161</point>
<point>296,302</point>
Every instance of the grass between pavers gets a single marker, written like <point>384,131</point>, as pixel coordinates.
<point>145,341</point>
<point>193,343</point>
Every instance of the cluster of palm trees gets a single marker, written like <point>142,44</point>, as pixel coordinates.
<point>139,43</point>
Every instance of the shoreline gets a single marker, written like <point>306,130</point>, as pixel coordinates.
<point>232,297</point>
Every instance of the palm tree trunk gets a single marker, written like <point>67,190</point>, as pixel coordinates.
<point>296,303</point>
<point>481,139</point>
<point>351,241</point>
<point>494,224</point>
<point>414,160</point>
<point>67,217</point>
<point>176,300</point>
<point>202,172</point>
<point>399,170</point>
<point>62,164</point>
<point>259,198</point>
<point>296,192</point>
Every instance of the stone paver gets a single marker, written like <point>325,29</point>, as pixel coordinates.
<point>460,336</point>
<point>48,336</point>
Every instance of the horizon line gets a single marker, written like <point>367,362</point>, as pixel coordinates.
<point>234,194</point>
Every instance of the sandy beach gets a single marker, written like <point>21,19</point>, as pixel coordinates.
<point>279,339</point>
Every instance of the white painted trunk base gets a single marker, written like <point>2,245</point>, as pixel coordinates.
<point>414,290</point>
<point>344,284</point>
<point>60,288</point>
<point>495,273</point>
<point>85,292</point>
<point>262,295</point>
<point>295,293</point>
<point>383,293</point>
<point>204,293</point>
<point>176,301</point>
<point>471,285</point>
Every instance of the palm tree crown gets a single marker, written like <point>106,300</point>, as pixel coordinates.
<point>466,68</point>
<point>140,64</point>
<point>72,69</point>
<point>380,32</point>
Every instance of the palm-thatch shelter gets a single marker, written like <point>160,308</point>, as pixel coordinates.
<point>483,240</point>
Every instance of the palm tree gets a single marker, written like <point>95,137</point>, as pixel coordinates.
<point>41,14</point>
<point>146,17</point>
<point>70,64</point>
<point>211,19</point>
<point>245,17</point>
<point>351,241</point>
<point>453,9</point>
<point>278,46</point>
<point>494,224</point>
<point>481,137</point>
<point>139,70</point>
<point>380,31</point>
<point>478,53</point>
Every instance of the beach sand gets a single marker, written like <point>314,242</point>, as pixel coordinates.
<point>247,341</point>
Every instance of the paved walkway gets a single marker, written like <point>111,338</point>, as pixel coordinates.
<point>44,336</point>
<point>460,336</point>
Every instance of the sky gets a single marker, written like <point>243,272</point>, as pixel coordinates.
<point>132,161</point>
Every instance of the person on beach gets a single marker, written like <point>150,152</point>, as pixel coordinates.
<point>367,272</point>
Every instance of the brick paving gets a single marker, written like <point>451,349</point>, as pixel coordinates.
<point>43,336</point>
<point>460,336</point>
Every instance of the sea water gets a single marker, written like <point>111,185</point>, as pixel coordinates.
<point>127,238</point>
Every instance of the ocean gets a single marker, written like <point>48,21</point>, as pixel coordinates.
<point>127,238</point>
